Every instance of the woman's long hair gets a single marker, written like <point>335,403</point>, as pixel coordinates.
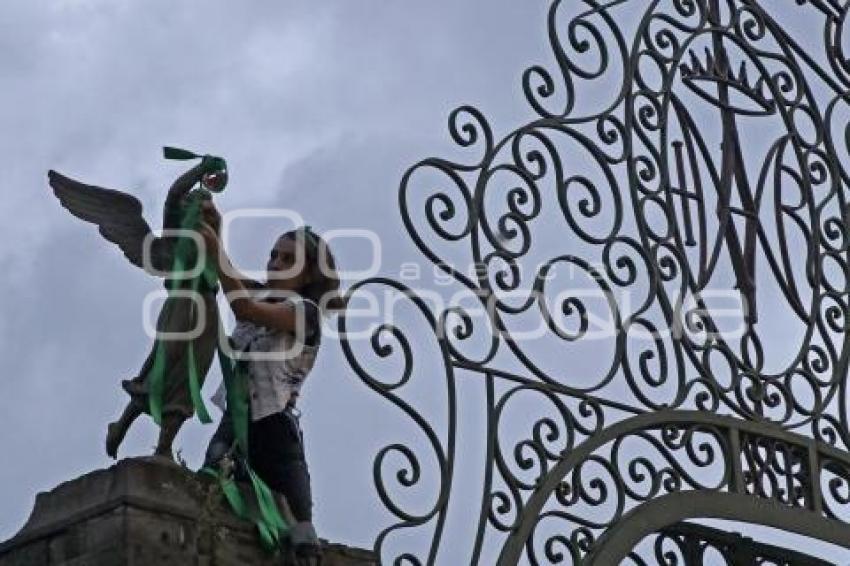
<point>323,288</point>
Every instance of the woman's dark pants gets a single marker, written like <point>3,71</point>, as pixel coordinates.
<point>276,454</point>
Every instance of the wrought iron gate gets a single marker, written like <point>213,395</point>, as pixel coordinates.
<point>685,179</point>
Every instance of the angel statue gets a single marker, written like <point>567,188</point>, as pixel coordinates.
<point>168,385</point>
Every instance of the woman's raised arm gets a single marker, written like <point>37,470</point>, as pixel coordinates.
<point>279,316</point>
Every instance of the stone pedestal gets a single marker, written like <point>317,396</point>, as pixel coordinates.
<point>145,511</point>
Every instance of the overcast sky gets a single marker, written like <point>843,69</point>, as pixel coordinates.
<point>318,107</point>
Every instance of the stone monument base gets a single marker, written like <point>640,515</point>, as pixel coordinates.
<point>146,511</point>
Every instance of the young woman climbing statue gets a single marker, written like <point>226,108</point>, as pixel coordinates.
<point>277,337</point>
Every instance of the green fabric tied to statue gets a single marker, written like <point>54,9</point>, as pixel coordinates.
<point>186,252</point>
<point>266,517</point>
<point>268,520</point>
<point>188,327</point>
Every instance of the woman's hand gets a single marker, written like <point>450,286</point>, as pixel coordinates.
<point>211,215</point>
<point>211,241</point>
<point>209,228</point>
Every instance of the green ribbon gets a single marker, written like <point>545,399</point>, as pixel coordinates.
<point>156,379</point>
<point>269,531</point>
<point>231,492</point>
<point>268,521</point>
<point>190,220</point>
<point>268,536</point>
<point>236,385</point>
<point>179,154</point>
<point>209,163</point>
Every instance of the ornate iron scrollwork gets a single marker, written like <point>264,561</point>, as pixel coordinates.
<point>688,543</point>
<point>685,179</point>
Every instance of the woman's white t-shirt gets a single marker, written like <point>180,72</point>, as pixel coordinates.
<point>278,362</point>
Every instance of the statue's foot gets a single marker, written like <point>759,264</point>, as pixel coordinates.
<point>114,436</point>
<point>303,537</point>
<point>164,452</point>
<point>134,387</point>
<point>308,555</point>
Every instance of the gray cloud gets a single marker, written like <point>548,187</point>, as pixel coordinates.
<point>317,106</point>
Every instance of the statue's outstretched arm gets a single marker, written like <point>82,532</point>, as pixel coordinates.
<point>172,214</point>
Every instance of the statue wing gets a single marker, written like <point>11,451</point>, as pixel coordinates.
<point>118,217</point>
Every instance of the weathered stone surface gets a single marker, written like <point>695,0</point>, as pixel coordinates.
<point>145,511</point>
